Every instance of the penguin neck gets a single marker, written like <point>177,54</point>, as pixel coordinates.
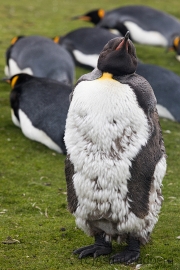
<point>106,75</point>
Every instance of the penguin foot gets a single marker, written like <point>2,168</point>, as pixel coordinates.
<point>100,247</point>
<point>130,254</point>
<point>126,256</point>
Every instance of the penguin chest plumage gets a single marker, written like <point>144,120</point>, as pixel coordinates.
<point>105,130</point>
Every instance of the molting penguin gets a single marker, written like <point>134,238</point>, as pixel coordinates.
<point>39,107</point>
<point>41,57</point>
<point>85,44</point>
<point>115,154</point>
<point>166,86</point>
<point>146,25</point>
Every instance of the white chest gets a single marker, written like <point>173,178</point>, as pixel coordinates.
<point>103,115</point>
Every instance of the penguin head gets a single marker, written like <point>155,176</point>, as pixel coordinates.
<point>93,16</point>
<point>118,57</point>
<point>18,79</point>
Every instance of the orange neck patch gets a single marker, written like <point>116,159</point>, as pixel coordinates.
<point>101,13</point>
<point>56,39</point>
<point>14,80</point>
<point>106,76</point>
<point>13,41</point>
<point>176,42</point>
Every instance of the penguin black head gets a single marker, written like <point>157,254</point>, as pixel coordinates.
<point>18,79</point>
<point>93,16</point>
<point>118,57</point>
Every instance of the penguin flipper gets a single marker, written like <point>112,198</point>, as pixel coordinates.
<point>71,193</point>
<point>100,247</point>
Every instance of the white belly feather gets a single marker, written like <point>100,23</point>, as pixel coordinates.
<point>36,134</point>
<point>86,59</point>
<point>101,113</point>
<point>145,37</point>
<point>13,69</point>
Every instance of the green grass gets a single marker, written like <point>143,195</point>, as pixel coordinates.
<point>33,207</point>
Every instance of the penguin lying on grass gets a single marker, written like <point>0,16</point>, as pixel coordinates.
<point>146,25</point>
<point>41,57</point>
<point>39,107</point>
<point>85,44</point>
<point>166,86</point>
<point>116,158</point>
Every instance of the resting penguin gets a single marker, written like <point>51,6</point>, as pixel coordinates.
<point>39,107</point>
<point>41,57</point>
<point>146,25</point>
<point>85,44</point>
<point>166,86</point>
<point>115,154</point>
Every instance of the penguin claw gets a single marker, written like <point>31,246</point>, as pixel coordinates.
<point>93,250</point>
<point>126,256</point>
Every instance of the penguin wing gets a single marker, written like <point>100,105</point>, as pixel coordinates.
<point>142,89</point>
<point>93,75</point>
<point>144,164</point>
<point>71,194</point>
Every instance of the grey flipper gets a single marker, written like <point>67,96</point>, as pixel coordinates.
<point>71,194</point>
<point>142,174</point>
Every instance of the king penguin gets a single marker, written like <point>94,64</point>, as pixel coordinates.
<point>146,25</point>
<point>39,107</point>
<point>116,157</point>
<point>41,57</point>
<point>166,86</point>
<point>85,44</point>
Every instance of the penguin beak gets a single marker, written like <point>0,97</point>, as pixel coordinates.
<point>170,49</point>
<point>82,18</point>
<point>7,80</point>
<point>124,42</point>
